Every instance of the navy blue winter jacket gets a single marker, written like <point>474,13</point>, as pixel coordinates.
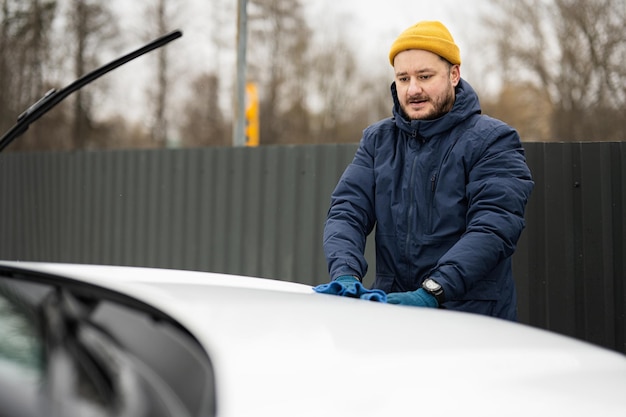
<point>447,198</point>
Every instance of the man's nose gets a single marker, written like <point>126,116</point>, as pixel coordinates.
<point>414,87</point>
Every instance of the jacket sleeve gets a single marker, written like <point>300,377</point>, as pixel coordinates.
<point>351,216</point>
<point>498,187</point>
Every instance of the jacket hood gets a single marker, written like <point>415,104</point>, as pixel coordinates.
<point>465,104</point>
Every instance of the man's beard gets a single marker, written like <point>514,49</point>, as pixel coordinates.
<point>440,105</point>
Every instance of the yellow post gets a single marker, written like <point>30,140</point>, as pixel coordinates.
<point>252,115</point>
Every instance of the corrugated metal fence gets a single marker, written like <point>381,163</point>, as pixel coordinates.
<point>260,212</point>
<point>570,263</point>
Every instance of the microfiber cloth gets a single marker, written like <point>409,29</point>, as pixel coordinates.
<point>374,295</point>
<point>351,288</point>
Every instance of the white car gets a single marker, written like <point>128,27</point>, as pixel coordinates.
<point>84,340</point>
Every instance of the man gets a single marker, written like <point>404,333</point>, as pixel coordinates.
<point>445,186</point>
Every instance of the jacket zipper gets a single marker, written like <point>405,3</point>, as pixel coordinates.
<point>430,201</point>
<point>409,222</point>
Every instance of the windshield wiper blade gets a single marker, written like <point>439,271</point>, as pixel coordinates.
<point>54,97</point>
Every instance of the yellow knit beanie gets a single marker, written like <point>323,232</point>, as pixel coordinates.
<point>430,36</point>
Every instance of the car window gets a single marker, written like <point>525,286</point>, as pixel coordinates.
<point>97,353</point>
<point>21,342</point>
<point>167,350</point>
<point>22,366</point>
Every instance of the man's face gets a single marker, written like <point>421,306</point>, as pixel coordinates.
<point>425,84</point>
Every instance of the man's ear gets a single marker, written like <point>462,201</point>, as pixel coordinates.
<point>455,74</point>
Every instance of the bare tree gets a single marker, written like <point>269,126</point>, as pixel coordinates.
<point>574,50</point>
<point>524,106</point>
<point>277,57</point>
<point>25,34</point>
<point>333,79</point>
<point>204,123</point>
<point>91,27</point>
<point>160,15</point>
<point>344,99</point>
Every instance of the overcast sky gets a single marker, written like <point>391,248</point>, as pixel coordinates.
<point>373,25</point>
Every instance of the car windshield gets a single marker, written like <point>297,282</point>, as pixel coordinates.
<point>111,354</point>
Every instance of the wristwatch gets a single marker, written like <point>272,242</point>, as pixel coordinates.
<point>434,288</point>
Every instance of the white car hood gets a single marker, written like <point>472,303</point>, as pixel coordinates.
<point>280,349</point>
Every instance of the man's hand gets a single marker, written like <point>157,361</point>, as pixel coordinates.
<point>418,298</point>
<point>349,286</point>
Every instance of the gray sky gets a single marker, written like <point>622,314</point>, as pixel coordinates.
<point>378,23</point>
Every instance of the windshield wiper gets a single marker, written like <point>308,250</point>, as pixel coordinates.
<point>54,97</point>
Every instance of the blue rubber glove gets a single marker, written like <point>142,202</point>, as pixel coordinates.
<point>349,286</point>
<point>418,298</point>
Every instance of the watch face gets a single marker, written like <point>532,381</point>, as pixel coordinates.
<point>431,285</point>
